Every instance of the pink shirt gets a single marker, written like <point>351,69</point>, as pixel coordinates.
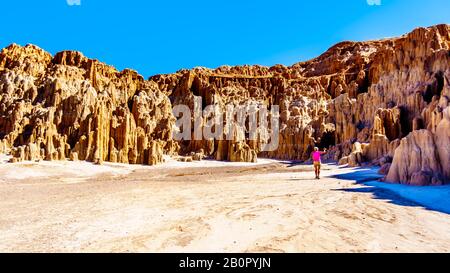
<point>316,156</point>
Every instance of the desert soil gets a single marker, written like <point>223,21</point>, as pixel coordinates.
<point>206,207</point>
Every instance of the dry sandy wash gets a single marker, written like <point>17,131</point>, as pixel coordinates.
<point>206,207</point>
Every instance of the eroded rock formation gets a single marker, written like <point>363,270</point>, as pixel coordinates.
<point>369,102</point>
<point>427,154</point>
<point>72,107</point>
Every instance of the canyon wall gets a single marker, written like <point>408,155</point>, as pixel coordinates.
<point>382,102</point>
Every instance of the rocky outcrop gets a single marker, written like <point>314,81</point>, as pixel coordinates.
<point>442,140</point>
<point>369,102</point>
<point>70,107</point>
<point>423,157</point>
<point>416,160</point>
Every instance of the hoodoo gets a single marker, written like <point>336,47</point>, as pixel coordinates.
<point>381,102</point>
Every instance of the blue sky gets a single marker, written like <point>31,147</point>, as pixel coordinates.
<point>156,37</point>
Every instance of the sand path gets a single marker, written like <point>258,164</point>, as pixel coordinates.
<point>206,207</point>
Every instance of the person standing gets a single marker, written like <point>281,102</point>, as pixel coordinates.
<point>316,157</point>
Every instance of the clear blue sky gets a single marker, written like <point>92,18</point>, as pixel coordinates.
<point>155,37</point>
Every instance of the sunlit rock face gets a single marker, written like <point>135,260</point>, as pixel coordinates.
<point>372,102</point>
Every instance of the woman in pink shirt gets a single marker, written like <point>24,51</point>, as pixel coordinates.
<point>317,161</point>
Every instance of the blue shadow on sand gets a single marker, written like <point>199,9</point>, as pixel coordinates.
<point>435,198</point>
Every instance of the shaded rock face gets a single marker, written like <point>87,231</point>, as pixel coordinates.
<point>422,167</point>
<point>423,157</point>
<point>360,99</point>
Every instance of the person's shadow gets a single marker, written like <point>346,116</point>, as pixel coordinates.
<point>304,179</point>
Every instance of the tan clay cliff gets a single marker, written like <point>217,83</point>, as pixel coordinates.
<point>381,102</point>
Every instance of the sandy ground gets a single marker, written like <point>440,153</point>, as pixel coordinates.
<point>207,207</point>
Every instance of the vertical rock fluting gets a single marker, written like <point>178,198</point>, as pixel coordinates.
<point>368,101</point>
<point>427,156</point>
<point>70,107</point>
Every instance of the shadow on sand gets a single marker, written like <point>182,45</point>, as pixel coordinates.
<point>296,163</point>
<point>362,176</point>
<point>312,178</point>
